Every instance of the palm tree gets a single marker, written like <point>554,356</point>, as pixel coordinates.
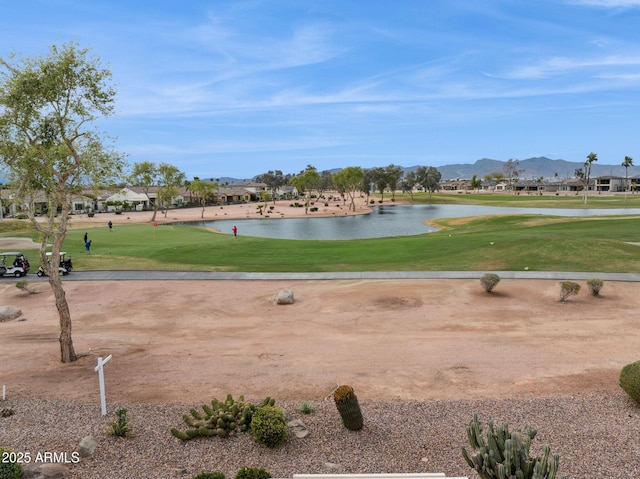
<point>628,161</point>
<point>591,157</point>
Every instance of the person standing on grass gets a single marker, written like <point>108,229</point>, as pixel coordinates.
<point>235,231</point>
<point>110,225</point>
<point>86,237</point>
<point>87,246</point>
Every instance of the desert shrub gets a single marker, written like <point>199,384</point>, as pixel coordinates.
<point>252,473</point>
<point>489,281</point>
<point>595,285</point>
<point>209,475</point>
<point>630,380</point>
<point>9,468</point>
<point>306,408</point>
<point>120,427</point>
<point>568,288</point>
<point>268,426</point>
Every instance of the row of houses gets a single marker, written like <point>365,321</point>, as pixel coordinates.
<point>603,184</point>
<point>139,198</point>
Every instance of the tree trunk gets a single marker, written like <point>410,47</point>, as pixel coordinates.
<point>67,353</point>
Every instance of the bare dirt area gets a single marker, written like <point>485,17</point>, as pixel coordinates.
<point>397,339</point>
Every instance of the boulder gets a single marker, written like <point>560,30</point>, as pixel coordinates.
<point>7,313</point>
<point>284,297</point>
<point>86,447</point>
<point>45,471</point>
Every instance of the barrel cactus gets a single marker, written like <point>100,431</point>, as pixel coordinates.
<point>505,455</point>
<point>348,407</point>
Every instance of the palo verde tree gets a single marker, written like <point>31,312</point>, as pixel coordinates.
<point>49,147</point>
<point>348,181</point>
<point>203,191</point>
<point>307,181</point>
<point>429,178</point>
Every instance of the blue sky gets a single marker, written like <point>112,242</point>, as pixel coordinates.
<point>237,88</point>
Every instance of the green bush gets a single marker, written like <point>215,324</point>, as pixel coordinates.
<point>268,426</point>
<point>595,285</point>
<point>568,288</point>
<point>489,281</point>
<point>209,475</point>
<point>120,427</point>
<point>252,473</point>
<point>9,470</point>
<point>630,380</point>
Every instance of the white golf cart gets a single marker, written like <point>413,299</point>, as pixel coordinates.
<point>13,263</point>
<point>64,265</point>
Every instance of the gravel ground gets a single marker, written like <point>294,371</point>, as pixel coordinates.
<point>596,436</point>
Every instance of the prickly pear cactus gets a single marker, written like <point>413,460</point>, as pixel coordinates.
<point>348,407</point>
<point>221,418</point>
<point>505,455</point>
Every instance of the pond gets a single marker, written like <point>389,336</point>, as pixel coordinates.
<point>391,220</point>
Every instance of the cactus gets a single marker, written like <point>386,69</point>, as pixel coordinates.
<point>221,419</point>
<point>505,455</point>
<point>348,407</point>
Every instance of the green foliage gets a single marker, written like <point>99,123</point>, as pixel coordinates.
<point>268,426</point>
<point>568,288</point>
<point>630,380</point>
<point>23,285</point>
<point>9,470</point>
<point>221,419</point>
<point>595,285</point>
<point>306,408</point>
<point>209,475</point>
<point>348,407</point>
<point>489,281</point>
<point>120,427</point>
<point>252,473</point>
<point>505,454</point>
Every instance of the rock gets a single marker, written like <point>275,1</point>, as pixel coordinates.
<point>45,471</point>
<point>298,428</point>
<point>332,466</point>
<point>7,313</point>
<point>86,446</point>
<point>284,297</point>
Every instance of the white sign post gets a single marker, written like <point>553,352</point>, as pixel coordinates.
<point>103,399</point>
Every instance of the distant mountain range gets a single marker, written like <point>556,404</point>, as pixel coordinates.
<point>531,168</point>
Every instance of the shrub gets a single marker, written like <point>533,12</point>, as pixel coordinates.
<point>268,426</point>
<point>120,427</point>
<point>252,473</point>
<point>595,285</point>
<point>306,408</point>
<point>506,453</point>
<point>568,288</point>
<point>630,380</point>
<point>9,469</point>
<point>209,475</point>
<point>489,281</point>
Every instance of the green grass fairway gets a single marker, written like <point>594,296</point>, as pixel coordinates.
<point>473,244</point>
<point>493,243</point>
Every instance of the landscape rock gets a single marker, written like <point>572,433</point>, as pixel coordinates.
<point>86,447</point>
<point>45,471</point>
<point>298,427</point>
<point>284,297</point>
<point>7,313</point>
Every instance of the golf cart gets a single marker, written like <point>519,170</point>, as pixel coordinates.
<point>13,263</point>
<point>64,266</point>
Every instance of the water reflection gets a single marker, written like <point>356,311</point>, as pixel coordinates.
<point>384,221</point>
